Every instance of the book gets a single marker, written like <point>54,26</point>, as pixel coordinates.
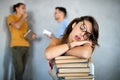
<point>72,74</point>
<point>47,33</point>
<point>71,61</point>
<point>72,65</point>
<point>28,35</point>
<point>80,78</point>
<point>73,70</point>
<point>66,57</point>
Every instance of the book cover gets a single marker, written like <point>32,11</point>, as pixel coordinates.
<point>28,35</point>
<point>66,57</point>
<point>72,74</point>
<point>72,65</point>
<point>73,70</point>
<point>71,61</point>
<point>80,78</point>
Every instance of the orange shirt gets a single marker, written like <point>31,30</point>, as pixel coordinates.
<point>17,35</point>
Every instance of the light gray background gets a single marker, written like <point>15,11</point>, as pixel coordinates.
<point>106,57</point>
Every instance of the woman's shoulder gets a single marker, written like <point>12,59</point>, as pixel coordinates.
<point>56,40</point>
<point>11,16</point>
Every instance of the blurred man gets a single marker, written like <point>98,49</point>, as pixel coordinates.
<point>60,16</point>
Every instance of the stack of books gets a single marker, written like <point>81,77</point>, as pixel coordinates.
<point>73,68</point>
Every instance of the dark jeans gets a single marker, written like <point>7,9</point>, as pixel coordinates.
<point>19,57</point>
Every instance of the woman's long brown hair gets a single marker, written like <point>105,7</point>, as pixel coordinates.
<point>95,30</point>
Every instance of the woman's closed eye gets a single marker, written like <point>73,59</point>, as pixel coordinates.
<point>83,28</point>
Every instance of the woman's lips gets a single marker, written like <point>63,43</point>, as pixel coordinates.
<point>77,38</point>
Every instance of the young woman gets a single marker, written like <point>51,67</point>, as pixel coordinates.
<point>18,26</point>
<point>79,39</point>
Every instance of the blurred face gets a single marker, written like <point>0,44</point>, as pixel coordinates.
<point>21,9</point>
<point>81,31</point>
<point>58,14</point>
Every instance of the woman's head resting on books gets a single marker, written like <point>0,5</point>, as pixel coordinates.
<point>80,29</point>
<point>19,8</point>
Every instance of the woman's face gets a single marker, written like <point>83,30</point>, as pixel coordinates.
<point>21,9</point>
<point>81,31</point>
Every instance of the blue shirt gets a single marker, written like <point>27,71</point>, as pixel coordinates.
<point>61,28</point>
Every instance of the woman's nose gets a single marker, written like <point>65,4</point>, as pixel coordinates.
<point>82,33</point>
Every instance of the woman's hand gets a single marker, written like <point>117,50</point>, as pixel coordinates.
<point>24,16</point>
<point>75,44</point>
<point>33,36</point>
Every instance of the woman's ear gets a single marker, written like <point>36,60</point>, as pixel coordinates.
<point>73,25</point>
<point>16,9</point>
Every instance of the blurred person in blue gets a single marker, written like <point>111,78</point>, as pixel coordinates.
<point>61,17</point>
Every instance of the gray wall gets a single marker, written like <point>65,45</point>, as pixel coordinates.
<point>106,57</point>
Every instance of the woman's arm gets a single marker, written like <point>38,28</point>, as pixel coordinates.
<point>18,23</point>
<point>84,51</point>
<point>55,49</point>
